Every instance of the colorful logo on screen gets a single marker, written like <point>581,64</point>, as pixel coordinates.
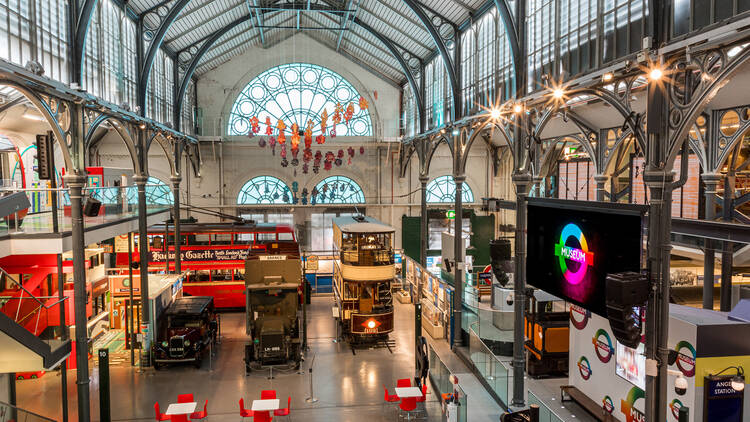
<point>566,253</point>
<point>584,368</point>
<point>603,345</point>
<point>685,358</point>
<point>579,317</point>
<point>675,408</point>
<point>608,405</point>
<point>627,406</point>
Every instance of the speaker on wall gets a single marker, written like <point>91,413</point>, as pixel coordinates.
<point>91,207</point>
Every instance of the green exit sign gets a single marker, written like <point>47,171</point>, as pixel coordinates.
<point>450,214</point>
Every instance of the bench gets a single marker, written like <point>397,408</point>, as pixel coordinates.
<point>569,392</point>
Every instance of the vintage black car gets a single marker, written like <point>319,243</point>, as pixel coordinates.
<point>188,328</point>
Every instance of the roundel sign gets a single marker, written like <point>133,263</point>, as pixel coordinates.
<point>579,317</point>
<point>685,358</point>
<point>584,367</point>
<point>603,345</point>
<point>608,405</point>
<point>574,261</point>
<point>674,407</point>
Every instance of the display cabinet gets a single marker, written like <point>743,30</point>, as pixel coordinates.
<point>433,319</point>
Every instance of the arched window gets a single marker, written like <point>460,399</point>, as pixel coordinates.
<point>264,190</point>
<point>443,190</point>
<point>296,93</point>
<point>338,190</point>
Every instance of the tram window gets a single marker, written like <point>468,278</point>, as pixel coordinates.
<point>221,275</point>
<point>239,274</point>
<point>263,237</point>
<point>157,242</point>
<point>221,239</point>
<point>243,237</point>
<point>202,275</point>
<point>183,240</point>
<point>286,236</point>
<point>200,239</point>
<point>348,242</point>
<point>350,291</point>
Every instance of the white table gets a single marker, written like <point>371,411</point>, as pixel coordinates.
<point>181,408</point>
<point>265,405</point>
<point>408,392</point>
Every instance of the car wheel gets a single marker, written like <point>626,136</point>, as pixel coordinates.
<point>34,376</point>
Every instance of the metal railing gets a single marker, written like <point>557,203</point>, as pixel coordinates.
<point>546,414</point>
<point>9,413</point>
<point>40,308</point>
<point>496,372</point>
<point>439,377</point>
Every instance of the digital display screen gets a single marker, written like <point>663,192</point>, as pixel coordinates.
<point>573,245</point>
<point>630,364</point>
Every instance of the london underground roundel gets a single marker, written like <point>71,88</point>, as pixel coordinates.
<point>574,261</point>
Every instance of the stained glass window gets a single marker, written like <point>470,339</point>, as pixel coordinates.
<point>338,190</point>
<point>296,93</point>
<point>264,190</point>
<point>443,190</point>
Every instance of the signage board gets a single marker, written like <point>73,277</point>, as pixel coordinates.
<point>201,255</point>
<point>721,401</point>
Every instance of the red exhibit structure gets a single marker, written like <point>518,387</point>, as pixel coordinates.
<point>215,254</point>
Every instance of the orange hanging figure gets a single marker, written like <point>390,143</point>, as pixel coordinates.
<point>308,133</point>
<point>295,137</point>
<point>349,113</point>
<point>363,103</point>
<point>269,126</point>
<point>281,138</point>
<point>254,125</point>
<point>323,121</point>
<point>337,111</point>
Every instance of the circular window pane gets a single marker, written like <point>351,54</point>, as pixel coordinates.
<point>240,126</point>
<point>359,127</point>
<point>730,122</point>
<point>310,76</point>
<point>342,94</point>
<point>273,81</point>
<point>291,76</point>
<point>247,107</point>
<point>258,92</point>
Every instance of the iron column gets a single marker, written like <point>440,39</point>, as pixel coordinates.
<point>458,257</point>
<point>424,219</point>
<point>140,182</point>
<point>75,184</point>
<point>522,180</point>
<point>177,231</point>
<point>601,181</point>
<point>712,181</point>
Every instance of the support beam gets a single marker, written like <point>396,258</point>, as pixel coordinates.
<point>176,179</point>
<point>424,221</point>
<point>79,46</point>
<point>522,180</point>
<point>458,257</point>
<point>150,54</point>
<point>443,50</point>
<point>344,20</point>
<point>711,181</point>
<point>75,183</point>
<point>260,25</point>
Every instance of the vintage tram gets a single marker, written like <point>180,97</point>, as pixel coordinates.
<point>363,271</point>
<point>215,253</point>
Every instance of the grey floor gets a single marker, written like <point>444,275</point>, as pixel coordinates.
<point>349,387</point>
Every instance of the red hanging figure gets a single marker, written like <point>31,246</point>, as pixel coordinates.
<point>281,138</point>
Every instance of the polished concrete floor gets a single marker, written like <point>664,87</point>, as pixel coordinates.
<point>349,386</point>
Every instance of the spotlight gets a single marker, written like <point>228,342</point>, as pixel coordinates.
<point>558,93</point>
<point>607,77</point>
<point>655,74</point>
<point>455,132</point>
<point>517,108</point>
<point>142,126</point>
<point>495,113</point>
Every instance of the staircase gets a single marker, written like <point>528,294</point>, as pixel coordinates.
<point>9,413</point>
<point>24,319</point>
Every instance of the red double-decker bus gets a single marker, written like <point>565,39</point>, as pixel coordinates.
<point>215,254</point>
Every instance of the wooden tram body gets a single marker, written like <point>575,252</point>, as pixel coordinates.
<point>215,254</point>
<point>363,272</point>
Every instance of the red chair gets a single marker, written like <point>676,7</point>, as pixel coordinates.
<point>245,413</point>
<point>200,414</point>
<point>267,394</point>
<point>264,416</point>
<point>403,382</point>
<point>284,412</point>
<point>185,398</point>
<point>424,394</point>
<point>160,416</point>
<point>408,405</point>
<point>389,398</point>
